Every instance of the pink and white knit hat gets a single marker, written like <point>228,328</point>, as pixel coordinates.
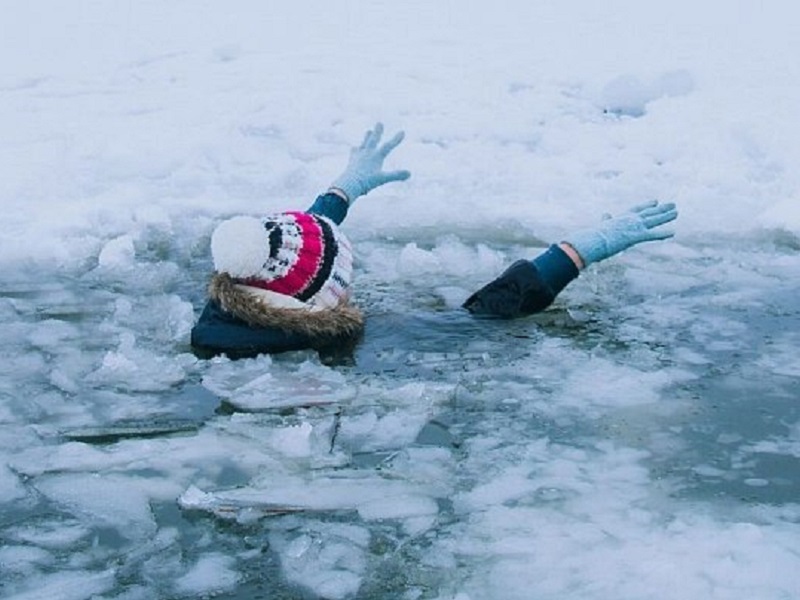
<point>296,254</point>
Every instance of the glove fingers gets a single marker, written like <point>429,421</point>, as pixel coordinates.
<point>655,210</point>
<point>643,206</point>
<point>661,234</point>
<point>660,218</point>
<point>393,176</point>
<point>367,138</point>
<point>376,136</point>
<point>391,144</point>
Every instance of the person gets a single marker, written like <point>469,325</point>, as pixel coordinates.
<point>282,282</point>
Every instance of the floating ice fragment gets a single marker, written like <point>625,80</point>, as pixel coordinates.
<point>136,369</point>
<point>328,559</point>
<point>346,491</point>
<point>10,486</point>
<point>117,253</point>
<point>116,501</point>
<point>22,559</point>
<point>708,471</point>
<point>66,585</point>
<point>398,507</point>
<point>213,573</point>
<point>756,482</point>
<point>308,385</point>
<point>53,534</point>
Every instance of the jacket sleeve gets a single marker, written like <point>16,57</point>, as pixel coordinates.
<point>331,206</point>
<point>526,287</point>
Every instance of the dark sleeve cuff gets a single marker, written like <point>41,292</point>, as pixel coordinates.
<point>332,206</point>
<point>556,268</point>
<point>526,287</point>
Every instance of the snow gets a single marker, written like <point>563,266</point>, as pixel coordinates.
<point>638,440</point>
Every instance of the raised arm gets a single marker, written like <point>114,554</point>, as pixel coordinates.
<point>530,286</point>
<point>364,173</point>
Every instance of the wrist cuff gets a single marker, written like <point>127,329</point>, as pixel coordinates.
<point>332,206</point>
<point>349,185</point>
<point>590,245</point>
<point>555,268</point>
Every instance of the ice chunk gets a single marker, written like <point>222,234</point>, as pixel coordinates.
<point>294,440</point>
<point>133,368</point>
<point>117,253</point>
<point>118,501</point>
<point>342,491</point>
<point>23,560</point>
<point>50,534</point>
<point>603,383</point>
<point>417,513</point>
<point>368,432</point>
<point>328,559</point>
<point>780,357</point>
<point>10,486</point>
<point>65,585</point>
<point>211,574</point>
<point>270,387</point>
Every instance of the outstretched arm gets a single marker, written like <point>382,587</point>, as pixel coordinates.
<point>364,173</point>
<point>527,287</point>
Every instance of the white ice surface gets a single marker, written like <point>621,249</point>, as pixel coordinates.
<point>211,574</point>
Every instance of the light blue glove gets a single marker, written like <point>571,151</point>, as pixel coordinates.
<point>619,233</point>
<point>363,172</point>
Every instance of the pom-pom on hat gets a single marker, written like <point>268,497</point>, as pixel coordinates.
<point>240,246</point>
<point>297,254</point>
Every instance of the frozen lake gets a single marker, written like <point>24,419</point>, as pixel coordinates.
<point>640,439</point>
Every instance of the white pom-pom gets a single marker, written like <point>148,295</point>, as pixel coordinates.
<point>240,247</point>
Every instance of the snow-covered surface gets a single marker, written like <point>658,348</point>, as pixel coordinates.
<point>640,440</point>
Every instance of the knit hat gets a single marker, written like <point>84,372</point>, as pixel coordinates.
<point>296,254</point>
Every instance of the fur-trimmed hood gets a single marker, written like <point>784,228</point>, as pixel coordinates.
<point>343,320</point>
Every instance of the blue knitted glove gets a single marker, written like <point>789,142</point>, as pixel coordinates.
<point>619,233</point>
<point>363,172</point>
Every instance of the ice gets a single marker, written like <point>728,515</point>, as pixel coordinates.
<point>119,253</point>
<point>327,559</point>
<point>339,492</point>
<point>131,368</point>
<point>604,384</point>
<point>628,95</point>
<point>10,486</point>
<point>632,550</point>
<point>66,585</point>
<point>637,440</point>
<point>211,574</point>
<point>22,560</point>
<point>264,386</point>
<point>780,356</point>
<point>51,535</point>
<point>121,502</point>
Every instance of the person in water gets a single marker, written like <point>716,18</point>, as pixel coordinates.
<point>282,282</point>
